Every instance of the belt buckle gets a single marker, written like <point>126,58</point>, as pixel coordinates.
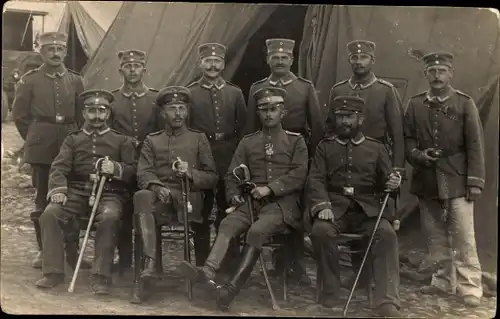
<point>347,190</point>
<point>219,136</point>
<point>59,119</point>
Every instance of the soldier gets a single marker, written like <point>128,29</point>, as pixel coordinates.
<point>69,191</point>
<point>217,109</point>
<point>278,166</point>
<point>348,173</point>
<point>304,115</point>
<point>134,113</point>
<point>160,199</point>
<point>444,143</point>
<point>45,110</point>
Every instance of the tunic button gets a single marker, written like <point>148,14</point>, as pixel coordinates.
<point>134,110</point>
<point>215,102</point>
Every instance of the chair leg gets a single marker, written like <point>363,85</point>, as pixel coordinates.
<point>159,251</point>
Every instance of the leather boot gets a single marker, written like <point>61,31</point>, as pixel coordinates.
<point>147,228</point>
<point>227,293</point>
<point>208,272</point>
<point>201,243</point>
<point>37,262</point>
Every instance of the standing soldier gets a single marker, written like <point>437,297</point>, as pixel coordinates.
<point>46,108</point>
<point>218,110</point>
<point>444,143</point>
<point>348,174</point>
<point>277,160</point>
<point>134,113</point>
<point>70,189</point>
<point>159,200</point>
<point>303,115</point>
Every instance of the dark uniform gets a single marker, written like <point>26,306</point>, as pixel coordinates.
<point>134,113</point>
<point>384,111</point>
<point>451,124</point>
<point>69,174</point>
<point>158,153</point>
<point>45,109</point>
<point>348,177</point>
<point>218,110</point>
<point>304,116</point>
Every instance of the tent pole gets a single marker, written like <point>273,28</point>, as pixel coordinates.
<point>73,58</point>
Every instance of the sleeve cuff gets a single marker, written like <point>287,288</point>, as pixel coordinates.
<point>277,187</point>
<point>57,190</point>
<point>319,207</point>
<point>475,181</point>
<point>118,171</point>
<point>150,183</point>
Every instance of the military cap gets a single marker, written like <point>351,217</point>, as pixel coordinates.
<point>173,94</point>
<point>361,46</point>
<point>438,58</point>
<point>280,46</point>
<point>347,104</point>
<point>127,56</point>
<point>53,38</point>
<point>269,95</point>
<point>211,50</point>
<point>97,97</point>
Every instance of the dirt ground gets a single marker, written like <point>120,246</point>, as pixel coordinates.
<point>20,296</point>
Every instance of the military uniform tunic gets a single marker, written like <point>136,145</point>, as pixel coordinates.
<point>277,159</point>
<point>304,114</point>
<point>69,174</point>
<point>383,112</point>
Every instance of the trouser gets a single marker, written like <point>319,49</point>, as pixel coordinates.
<point>56,222</point>
<point>125,246</point>
<point>452,244</point>
<point>384,253</point>
<point>40,180</point>
<point>149,213</point>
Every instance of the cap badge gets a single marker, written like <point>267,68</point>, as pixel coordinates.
<point>131,53</point>
<point>359,51</point>
<point>359,45</point>
<point>280,49</point>
<point>175,94</point>
<point>213,53</point>
<point>96,101</point>
<point>213,48</point>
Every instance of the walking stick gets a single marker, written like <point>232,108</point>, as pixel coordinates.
<point>379,217</point>
<point>248,187</point>
<point>187,208</point>
<point>95,203</point>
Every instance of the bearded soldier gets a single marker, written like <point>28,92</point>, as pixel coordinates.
<point>303,115</point>
<point>217,109</point>
<point>134,113</point>
<point>277,160</point>
<point>348,173</point>
<point>445,145</point>
<point>70,188</point>
<point>159,201</point>
<point>45,109</point>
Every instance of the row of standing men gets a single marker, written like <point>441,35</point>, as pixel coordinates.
<point>46,109</point>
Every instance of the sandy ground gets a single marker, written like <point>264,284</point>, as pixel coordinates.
<point>20,296</point>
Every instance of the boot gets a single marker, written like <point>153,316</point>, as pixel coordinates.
<point>99,284</point>
<point>50,281</point>
<point>208,273</point>
<point>201,243</point>
<point>227,293</point>
<point>388,310</point>
<point>147,228</point>
<point>37,262</point>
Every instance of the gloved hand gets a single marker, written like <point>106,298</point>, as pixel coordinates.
<point>162,193</point>
<point>59,198</point>
<point>107,167</point>
<point>326,214</point>
<point>473,193</point>
<point>237,200</point>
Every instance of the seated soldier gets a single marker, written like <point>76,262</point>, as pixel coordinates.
<point>348,174</point>
<point>159,200</point>
<point>277,160</point>
<point>70,188</point>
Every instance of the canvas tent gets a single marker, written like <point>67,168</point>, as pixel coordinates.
<point>86,23</point>
<point>171,32</point>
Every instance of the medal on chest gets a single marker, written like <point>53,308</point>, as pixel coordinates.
<point>269,149</point>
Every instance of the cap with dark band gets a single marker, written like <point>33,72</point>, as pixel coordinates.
<point>280,46</point>
<point>127,56</point>
<point>53,38</point>
<point>212,50</point>
<point>361,46</point>
<point>347,104</point>
<point>268,96</point>
<point>438,58</point>
<point>97,98</point>
<point>173,95</point>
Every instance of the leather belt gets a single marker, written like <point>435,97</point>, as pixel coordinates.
<point>353,190</point>
<point>221,136</point>
<point>58,119</point>
<point>114,186</point>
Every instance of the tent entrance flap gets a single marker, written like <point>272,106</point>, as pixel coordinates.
<point>285,22</point>
<point>76,57</point>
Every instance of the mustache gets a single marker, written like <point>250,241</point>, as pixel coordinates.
<point>437,81</point>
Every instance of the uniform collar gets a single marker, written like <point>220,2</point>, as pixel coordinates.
<point>284,80</point>
<point>219,84</point>
<point>87,130</point>
<point>438,99</point>
<point>136,93</point>
<point>273,131</point>
<point>356,140</point>
<point>52,73</point>
<point>170,132</point>
<point>368,81</point>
